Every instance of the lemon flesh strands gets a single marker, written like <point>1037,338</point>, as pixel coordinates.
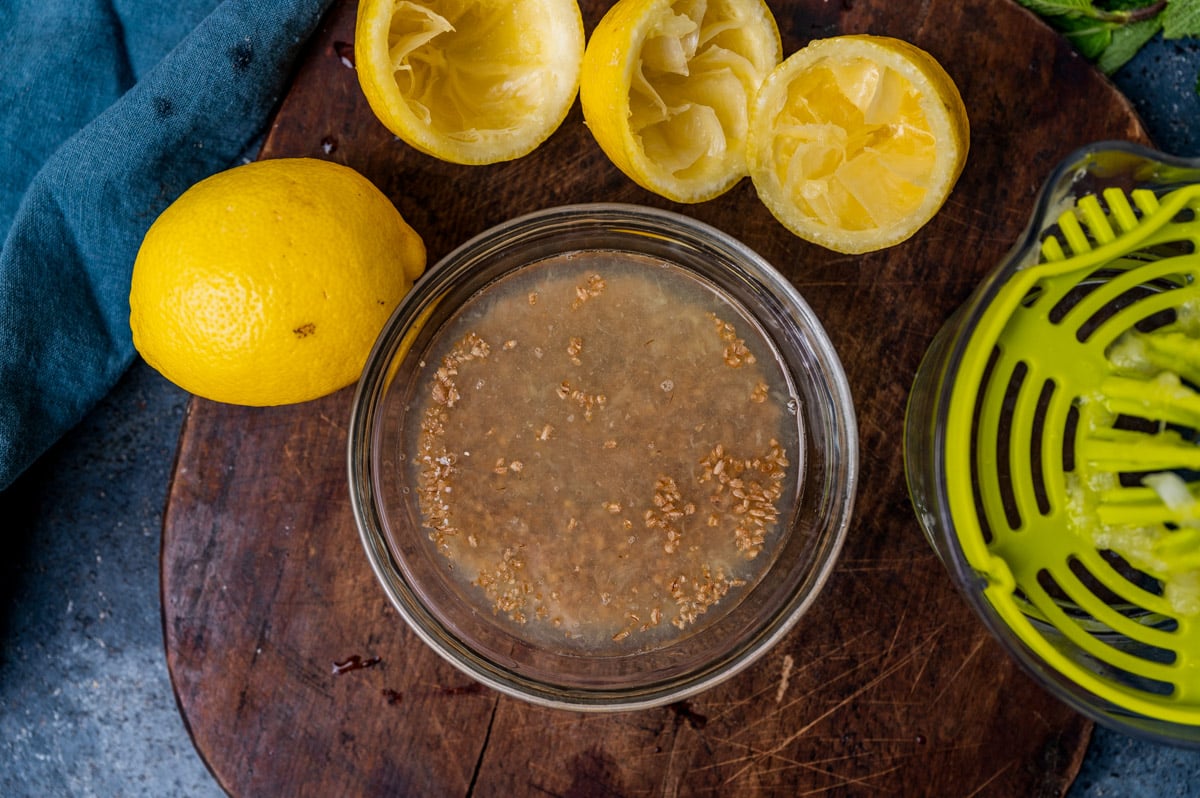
<point>856,141</point>
<point>470,82</point>
<point>667,87</point>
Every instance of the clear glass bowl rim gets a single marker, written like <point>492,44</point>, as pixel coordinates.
<point>620,218</point>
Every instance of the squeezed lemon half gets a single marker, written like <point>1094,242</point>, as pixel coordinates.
<point>667,88</point>
<point>856,141</point>
<point>470,81</point>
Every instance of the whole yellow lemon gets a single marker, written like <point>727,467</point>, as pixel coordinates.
<point>267,284</point>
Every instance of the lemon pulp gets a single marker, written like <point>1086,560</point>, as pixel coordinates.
<point>667,87</point>
<point>470,82</point>
<point>857,141</point>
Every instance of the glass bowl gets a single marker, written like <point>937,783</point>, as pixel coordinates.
<point>472,541</point>
<point>1005,418</point>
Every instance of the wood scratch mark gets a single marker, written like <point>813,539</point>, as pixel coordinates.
<point>979,240</point>
<point>990,779</point>
<point>989,215</point>
<point>891,647</point>
<point>756,757</point>
<point>864,781</point>
<point>785,673</point>
<point>931,644</point>
<point>753,759</point>
<point>816,766</point>
<point>807,696</point>
<point>839,780</point>
<point>331,422</point>
<point>672,776</point>
<point>291,458</point>
<point>892,658</point>
<point>734,705</point>
<point>789,763</point>
<point>958,671</point>
<point>882,677</point>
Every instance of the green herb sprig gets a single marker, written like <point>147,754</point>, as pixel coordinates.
<point>1110,32</point>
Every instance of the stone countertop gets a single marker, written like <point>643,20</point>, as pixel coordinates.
<point>86,706</point>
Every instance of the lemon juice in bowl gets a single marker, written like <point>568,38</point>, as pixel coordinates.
<point>605,451</point>
<point>602,457</point>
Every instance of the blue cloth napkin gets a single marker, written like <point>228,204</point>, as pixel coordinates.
<point>109,109</point>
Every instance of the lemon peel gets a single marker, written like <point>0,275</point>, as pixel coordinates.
<point>667,88</point>
<point>857,141</point>
<point>470,82</point>
<point>267,284</point>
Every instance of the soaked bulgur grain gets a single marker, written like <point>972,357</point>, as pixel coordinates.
<point>605,451</point>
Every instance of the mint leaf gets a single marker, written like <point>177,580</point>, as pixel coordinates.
<point>1089,37</point>
<point>1134,5</point>
<point>1110,32</point>
<point>1117,12</point>
<point>1181,18</point>
<point>1126,41</point>
<point>1057,8</point>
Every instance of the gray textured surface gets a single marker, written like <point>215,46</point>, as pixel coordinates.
<point>86,706</point>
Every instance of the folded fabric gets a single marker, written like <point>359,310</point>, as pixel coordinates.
<point>109,109</point>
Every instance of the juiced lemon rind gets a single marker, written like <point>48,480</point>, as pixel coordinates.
<point>470,83</point>
<point>667,88</point>
<point>857,141</point>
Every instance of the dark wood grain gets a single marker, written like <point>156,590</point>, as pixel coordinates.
<point>888,686</point>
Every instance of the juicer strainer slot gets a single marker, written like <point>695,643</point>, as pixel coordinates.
<point>1072,425</point>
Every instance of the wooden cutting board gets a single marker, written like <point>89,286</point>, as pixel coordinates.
<point>888,686</point>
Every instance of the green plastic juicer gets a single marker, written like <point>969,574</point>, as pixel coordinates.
<point>1053,442</point>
